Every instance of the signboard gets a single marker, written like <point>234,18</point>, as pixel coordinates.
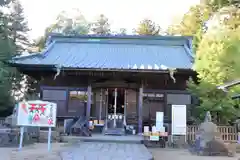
<point>179,119</point>
<point>36,114</point>
<point>154,138</point>
<point>159,121</point>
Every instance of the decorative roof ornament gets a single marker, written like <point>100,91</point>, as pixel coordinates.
<point>135,66</point>
<point>58,69</point>
<point>150,67</point>
<point>171,74</point>
<point>156,66</point>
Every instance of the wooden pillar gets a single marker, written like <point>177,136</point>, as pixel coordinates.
<point>89,102</point>
<point>106,107</point>
<point>140,107</point>
<point>101,102</point>
<point>115,108</point>
<point>125,107</point>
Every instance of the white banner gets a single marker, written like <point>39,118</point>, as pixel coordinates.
<point>159,121</point>
<point>179,119</point>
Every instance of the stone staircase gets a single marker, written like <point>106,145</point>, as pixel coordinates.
<point>118,130</point>
<point>78,126</point>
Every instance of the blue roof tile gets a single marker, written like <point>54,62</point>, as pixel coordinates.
<point>114,53</point>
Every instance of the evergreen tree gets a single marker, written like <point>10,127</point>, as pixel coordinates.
<point>148,27</point>
<point>7,50</point>
<point>101,26</point>
<point>21,84</point>
<point>18,27</point>
<point>65,24</point>
<point>193,23</point>
<point>217,62</point>
<point>214,24</point>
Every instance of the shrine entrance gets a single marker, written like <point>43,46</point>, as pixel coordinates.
<point>116,111</point>
<point>119,100</point>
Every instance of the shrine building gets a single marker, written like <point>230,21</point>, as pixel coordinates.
<point>104,78</point>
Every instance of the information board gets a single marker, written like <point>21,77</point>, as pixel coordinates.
<point>159,121</point>
<point>37,114</point>
<point>179,119</point>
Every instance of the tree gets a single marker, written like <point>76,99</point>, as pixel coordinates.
<point>228,17</point>
<point>18,33</point>
<point>121,31</point>
<point>147,27</point>
<point>4,2</point>
<point>193,23</point>
<point>217,61</point>
<point>218,4</point>
<point>67,25</point>
<point>213,27</point>
<point>101,25</point>
<point>18,27</point>
<point>7,50</point>
<point>70,25</point>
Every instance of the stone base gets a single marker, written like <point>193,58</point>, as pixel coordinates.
<point>219,148</point>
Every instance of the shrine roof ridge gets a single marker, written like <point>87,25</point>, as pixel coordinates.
<point>130,39</point>
<point>121,52</point>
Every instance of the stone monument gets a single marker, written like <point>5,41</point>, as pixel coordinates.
<point>208,140</point>
<point>9,131</point>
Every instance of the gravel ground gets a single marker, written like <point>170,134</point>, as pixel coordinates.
<point>33,152</point>
<point>178,154</point>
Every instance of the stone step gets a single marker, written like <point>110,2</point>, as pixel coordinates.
<point>114,131</point>
<point>104,139</point>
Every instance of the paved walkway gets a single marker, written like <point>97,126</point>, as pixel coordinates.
<point>106,151</point>
<point>82,151</point>
<point>99,151</point>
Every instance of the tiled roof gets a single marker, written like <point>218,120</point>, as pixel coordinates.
<point>114,52</point>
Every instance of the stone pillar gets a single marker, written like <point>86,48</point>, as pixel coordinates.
<point>140,107</point>
<point>89,101</point>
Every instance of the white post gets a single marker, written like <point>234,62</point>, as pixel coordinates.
<point>49,138</point>
<point>21,137</point>
<point>115,108</point>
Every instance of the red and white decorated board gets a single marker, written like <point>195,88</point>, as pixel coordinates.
<point>37,113</point>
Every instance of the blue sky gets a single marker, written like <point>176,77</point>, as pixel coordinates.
<point>121,13</point>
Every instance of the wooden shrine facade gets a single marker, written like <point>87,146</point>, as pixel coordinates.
<point>86,93</point>
<point>92,75</point>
